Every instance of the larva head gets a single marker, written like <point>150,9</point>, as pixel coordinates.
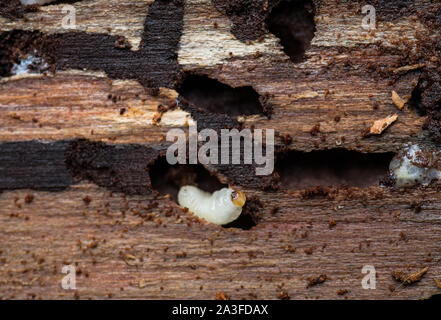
<point>238,198</point>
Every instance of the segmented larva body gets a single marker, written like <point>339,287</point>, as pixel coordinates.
<point>415,165</point>
<point>221,207</point>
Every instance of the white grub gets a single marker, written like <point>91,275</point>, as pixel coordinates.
<point>39,2</point>
<point>221,207</point>
<point>29,64</point>
<point>415,165</point>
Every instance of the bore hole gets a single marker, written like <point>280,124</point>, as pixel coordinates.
<point>415,101</point>
<point>244,222</point>
<point>168,179</point>
<point>250,215</point>
<point>216,97</point>
<point>336,167</point>
<point>293,23</point>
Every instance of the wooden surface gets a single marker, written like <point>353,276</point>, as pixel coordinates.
<point>145,246</point>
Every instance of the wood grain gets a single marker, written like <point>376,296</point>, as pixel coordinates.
<point>151,255</point>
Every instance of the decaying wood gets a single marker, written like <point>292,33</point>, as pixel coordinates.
<point>145,246</point>
<point>55,229</point>
<point>127,18</point>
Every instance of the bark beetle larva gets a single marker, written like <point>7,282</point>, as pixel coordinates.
<point>415,165</point>
<point>221,207</point>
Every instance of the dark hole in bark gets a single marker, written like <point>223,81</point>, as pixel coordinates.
<point>415,101</point>
<point>335,167</point>
<point>244,222</point>
<point>250,215</point>
<point>215,97</point>
<point>168,179</point>
<point>293,23</point>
